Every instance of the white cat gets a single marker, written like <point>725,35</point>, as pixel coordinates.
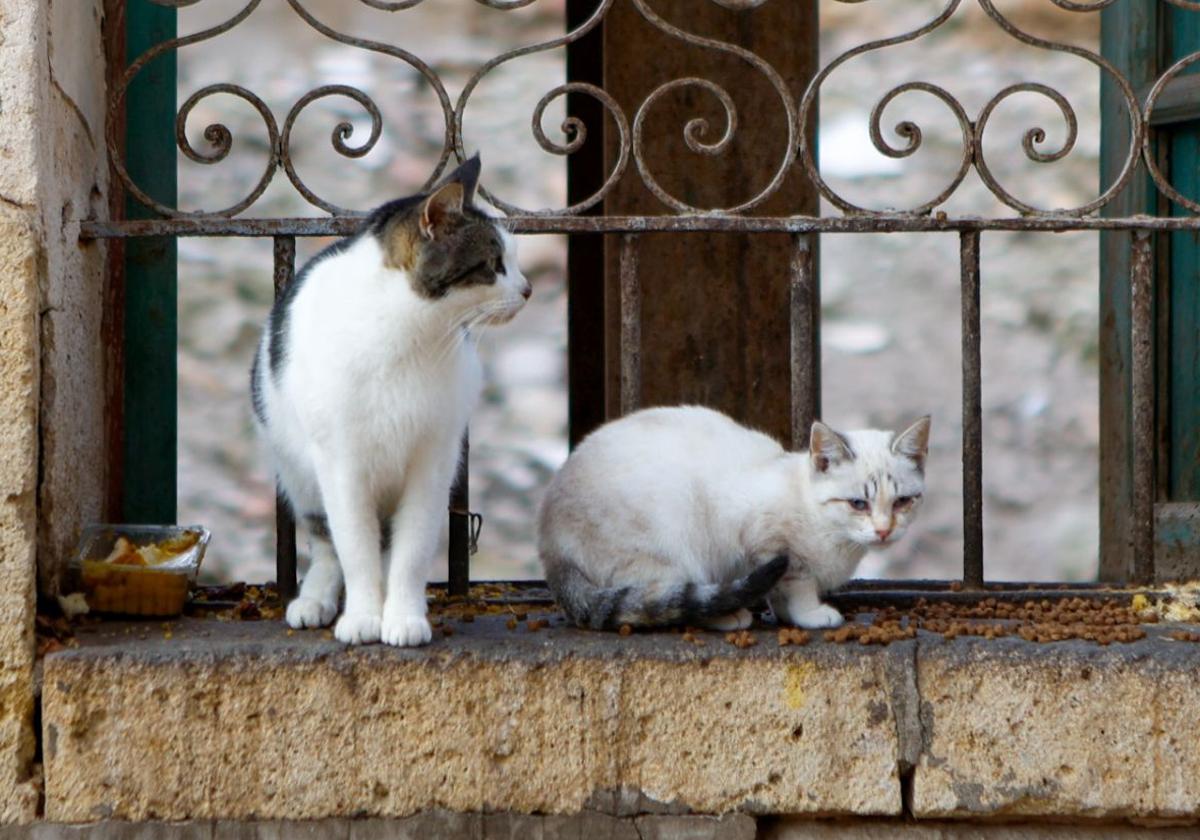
<point>680,515</point>
<point>362,387</point>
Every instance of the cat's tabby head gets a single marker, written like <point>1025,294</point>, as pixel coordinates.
<point>869,483</point>
<point>453,251</point>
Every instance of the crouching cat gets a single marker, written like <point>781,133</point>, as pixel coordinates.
<point>362,386</point>
<point>680,515</point>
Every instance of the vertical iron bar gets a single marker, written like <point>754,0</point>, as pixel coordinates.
<point>586,170</point>
<point>631,325</point>
<point>285,524</point>
<point>458,561</point>
<point>972,455</point>
<point>1141,524</point>
<point>805,321</point>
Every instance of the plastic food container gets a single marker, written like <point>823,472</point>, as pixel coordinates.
<point>138,569</point>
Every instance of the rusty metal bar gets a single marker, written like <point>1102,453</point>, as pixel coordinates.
<point>972,413</point>
<point>285,525</point>
<point>1141,525</point>
<point>458,560</point>
<point>712,223</point>
<point>805,320</point>
<point>631,326</point>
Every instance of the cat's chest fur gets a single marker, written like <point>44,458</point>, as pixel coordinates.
<point>366,353</point>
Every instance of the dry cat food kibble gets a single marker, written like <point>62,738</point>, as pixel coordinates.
<point>793,636</point>
<point>1184,636</point>
<point>1103,621</point>
<point>625,630</point>
<point>741,639</point>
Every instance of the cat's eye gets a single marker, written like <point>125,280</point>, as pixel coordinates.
<point>904,501</point>
<point>858,504</point>
<point>498,265</point>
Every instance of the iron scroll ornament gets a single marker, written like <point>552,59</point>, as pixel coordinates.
<point>630,137</point>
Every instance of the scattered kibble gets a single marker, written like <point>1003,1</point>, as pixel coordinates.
<point>625,630</point>
<point>1101,620</point>
<point>511,624</point>
<point>447,630</point>
<point>793,636</point>
<point>536,624</point>
<point>1184,636</point>
<point>741,639</point>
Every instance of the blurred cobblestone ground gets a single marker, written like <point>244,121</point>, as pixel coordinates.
<point>890,303</point>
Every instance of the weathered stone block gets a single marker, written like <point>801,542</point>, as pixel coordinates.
<point>1069,729</point>
<point>728,827</point>
<point>249,722</point>
<point>803,829</point>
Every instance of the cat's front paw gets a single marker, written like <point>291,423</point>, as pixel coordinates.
<point>309,612</point>
<point>406,631</point>
<point>357,629</point>
<point>818,617</point>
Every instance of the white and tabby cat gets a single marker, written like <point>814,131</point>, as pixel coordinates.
<point>680,515</point>
<point>362,387</point>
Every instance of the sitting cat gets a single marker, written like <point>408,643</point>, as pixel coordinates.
<point>682,516</point>
<point>362,386</point>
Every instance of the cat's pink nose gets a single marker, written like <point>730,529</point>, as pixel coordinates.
<point>883,533</point>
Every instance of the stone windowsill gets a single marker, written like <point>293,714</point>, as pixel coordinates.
<point>243,721</point>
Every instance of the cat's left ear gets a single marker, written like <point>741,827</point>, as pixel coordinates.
<point>445,202</point>
<point>467,174</point>
<point>453,194</point>
<point>913,442</point>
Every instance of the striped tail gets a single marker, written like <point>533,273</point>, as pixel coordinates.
<point>607,608</point>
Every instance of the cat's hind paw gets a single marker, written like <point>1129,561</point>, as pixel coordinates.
<point>739,620</point>
<point>818,617</point>
<point>406,631</point>
<point>309,612</point>
<point>357,629</point>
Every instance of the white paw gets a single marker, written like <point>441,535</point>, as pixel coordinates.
<point>357,629</point>
<point>406,631</point>
<point>309,612</point>
<point>818,617</point>
<point>739,620</point>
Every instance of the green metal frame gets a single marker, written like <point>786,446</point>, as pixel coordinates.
<point>148,491</point>
<point>1142,38</point>
<point>1182,37</point>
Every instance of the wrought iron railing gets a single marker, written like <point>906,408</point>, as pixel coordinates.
<point>629,139</point>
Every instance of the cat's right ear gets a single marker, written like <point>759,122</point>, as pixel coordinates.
<point>445,203</point>
<point>826,447</point>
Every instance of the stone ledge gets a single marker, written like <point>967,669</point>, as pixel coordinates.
<point>248,722</point>
<point>242,721</point>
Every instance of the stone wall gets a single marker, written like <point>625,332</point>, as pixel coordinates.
<point>51,365</point>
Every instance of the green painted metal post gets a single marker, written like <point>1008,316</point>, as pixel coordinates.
<point>1128,34</point>
<point>150,415</point>
<point>1183,33</point>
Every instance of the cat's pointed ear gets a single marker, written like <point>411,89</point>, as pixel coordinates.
<point>913,442</point>
<point>827,447</point>
<point>468,175</point>
<point>444,203</point>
